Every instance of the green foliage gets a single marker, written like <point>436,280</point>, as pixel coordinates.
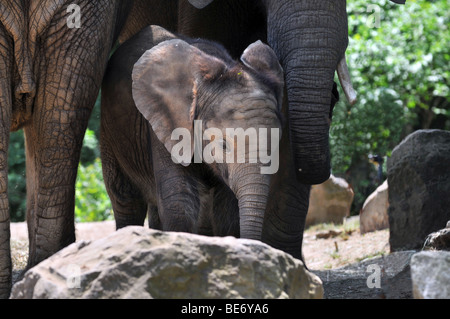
<point>373,126</point>
<point>16,177</point>
<point>91,199</point>
<point>397,67</point>
<point>399,62</point>
<point>407,52</point>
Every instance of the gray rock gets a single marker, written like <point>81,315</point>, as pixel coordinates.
<point>374,215</point>
<point>439,240</point>
<point>430,273</point>
<point>329,202</point>
<point>386,277</point>
<point>419,186</point>
<point>137,262</point>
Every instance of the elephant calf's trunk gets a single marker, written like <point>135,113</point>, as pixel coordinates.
<point>251,217</point>
<point>252,191</point>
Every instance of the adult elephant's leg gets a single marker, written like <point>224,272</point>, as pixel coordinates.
<point>5,123</point>
<point>124,152</point>
<point>284,222</point>
<point>127,201</point>
<point>287,207</point>
<point>72,63</point>
<point>5,252</point>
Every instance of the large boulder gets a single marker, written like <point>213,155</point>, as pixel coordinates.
<point>419,186</point>
<point>374,215</point>
<point>329,202</point>
<point>430,274</point>
<point>136,262</point>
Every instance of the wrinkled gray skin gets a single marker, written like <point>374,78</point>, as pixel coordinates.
<point>174,83</point>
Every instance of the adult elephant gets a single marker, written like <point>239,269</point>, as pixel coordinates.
<point>53,54</point>
<point>310,39</point>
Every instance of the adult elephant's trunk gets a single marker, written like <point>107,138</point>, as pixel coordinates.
<point>310,38</point>
<point>251,189</point>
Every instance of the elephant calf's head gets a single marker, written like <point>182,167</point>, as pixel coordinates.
<point>227,111</point>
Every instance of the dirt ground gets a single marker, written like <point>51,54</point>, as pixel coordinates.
<point>84,231</point>
<point>343,245</point>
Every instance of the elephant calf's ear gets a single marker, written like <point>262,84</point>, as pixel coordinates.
<point>163,86</point>
<point>263,60</point>
<point>166,82</point>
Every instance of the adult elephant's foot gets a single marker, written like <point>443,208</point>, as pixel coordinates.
<point>51,235</point>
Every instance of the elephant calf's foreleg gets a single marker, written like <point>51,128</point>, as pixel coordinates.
<point>177,195</point>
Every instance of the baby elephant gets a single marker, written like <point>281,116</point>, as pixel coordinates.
<point>190,136</point>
